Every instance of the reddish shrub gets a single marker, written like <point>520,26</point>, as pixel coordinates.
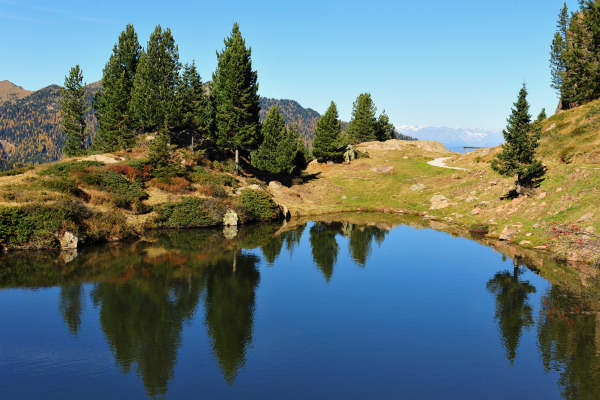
<point>172,185</point>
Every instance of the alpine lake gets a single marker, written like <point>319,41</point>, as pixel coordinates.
<point>353,306</point>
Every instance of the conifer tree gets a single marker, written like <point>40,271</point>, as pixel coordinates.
<point>277,153</point>
<point>115,124</point>
<point>385,130</point>
<point>193,106</point>
<point>327,144</point>
<point>235,97</point>
<point>518,153</point>
<point>558,51</point>
<point>160,148</point>
<point>542,115</point>
<point>156,80</point>
<point>74,106</point>
<point>363,125</point>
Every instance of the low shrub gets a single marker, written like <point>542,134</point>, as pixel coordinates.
<point>225,166</point>
<point>204,177</point>
<point>213,190</point>
<point>190,213</point>
<point>36,224</point>
<point>132,173</point>
<point>69,167</point>
<point>108,227</point>
<point>258,205</point>
<point>16,171</point>
<point>63,185</point>
<point>122,191</point>
<point>172,184</point>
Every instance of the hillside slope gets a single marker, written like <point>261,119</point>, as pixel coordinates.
<point>559,217</point>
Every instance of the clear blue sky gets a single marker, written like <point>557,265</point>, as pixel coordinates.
<point>446,63</point>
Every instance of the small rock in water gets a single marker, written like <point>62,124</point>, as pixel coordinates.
<point>230,232</point>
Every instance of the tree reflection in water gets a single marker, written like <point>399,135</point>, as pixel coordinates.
<point>569,341</point>
<point>513,313</point>
<point>146,291</point>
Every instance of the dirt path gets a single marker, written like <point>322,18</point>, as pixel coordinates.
<point>441,162</point>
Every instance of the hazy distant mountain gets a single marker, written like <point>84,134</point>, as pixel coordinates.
<point>454,137</point>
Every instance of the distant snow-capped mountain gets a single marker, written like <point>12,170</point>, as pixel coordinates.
<point>454,137</point>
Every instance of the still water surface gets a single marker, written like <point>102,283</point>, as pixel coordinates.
<point>320,311</point>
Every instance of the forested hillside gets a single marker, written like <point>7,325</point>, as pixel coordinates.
<point>30,127</point>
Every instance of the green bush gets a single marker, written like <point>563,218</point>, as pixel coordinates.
<point>259,205</point>
<point>67,168</point>
<point>38,223</point>
<point>63,185</point>
<point>204,177</point>
<point>16,171</point>
<point>190,213</point>
<point>123,191</point>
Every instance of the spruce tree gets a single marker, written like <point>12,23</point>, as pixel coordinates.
<point>115,124</point>
<point>558,50</point>
<point>542,115</point>
<point>277,152</point>
<point>193,105</point>
<point>385,130</point>
<point>235,97</point>
<point>327,144</point>
<point>157,77</point>
<point>74,106</point>
<point>518,153</point>
<point>160,148</point>
<point>363,125</point>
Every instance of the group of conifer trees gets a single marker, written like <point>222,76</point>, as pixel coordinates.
<point>575,55</point>
<point>149,90</point>
<point>330,141</point>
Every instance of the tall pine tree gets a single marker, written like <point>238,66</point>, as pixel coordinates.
<point>153,98</point>
<point>518,153</point>
<point>363,125</point>
<point>116,128</point>
<point>193,106</point>
<point>558,51</point>
<point>235,97</point>
<point>327,144</point>
<point>74,106</point>
<point>277,152</point>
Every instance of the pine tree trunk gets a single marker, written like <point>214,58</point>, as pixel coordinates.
<point>237,161</point>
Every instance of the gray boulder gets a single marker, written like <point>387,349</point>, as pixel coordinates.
<point>230,218</point>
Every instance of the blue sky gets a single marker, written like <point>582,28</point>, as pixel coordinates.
<point>444,63</point>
